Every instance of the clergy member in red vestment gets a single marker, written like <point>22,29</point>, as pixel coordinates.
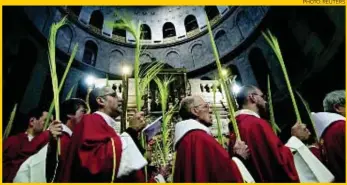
<point>97,153</point>
<point>41,166</point>
<point>199,157</point>
<point>18,148</point>
<point>270,160</point>
<point>316,150</point>
<point>331,131</point>
<point>72,111</point>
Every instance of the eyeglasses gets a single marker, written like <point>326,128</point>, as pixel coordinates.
<point>113,94</point>
<point>205,105</point>
<point>263,95</point>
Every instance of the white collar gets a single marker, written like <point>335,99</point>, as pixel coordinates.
<point>67,130</point>
<point>108,119</point>
<point>183,127</point>
<point>30,137</point>
<point>247,112</point>
<point>323,120</point>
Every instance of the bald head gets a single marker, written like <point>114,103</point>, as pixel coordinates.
<point>98,92</point>
<point>194,107</point>
<point>242,95</point>
<point>335,102</point>
<point>251,97</point>
<point>185,107</point>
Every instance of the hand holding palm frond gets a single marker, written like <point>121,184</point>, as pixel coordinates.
<point>141,83</point>
<point>52,64</point>
<point>308,111</point>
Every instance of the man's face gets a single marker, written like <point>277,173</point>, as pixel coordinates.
<point>201,110</point>
<point>112,102</point>
<point>79,114</point>
<point>37,124</point>
<point>260,100</point>
<point>341,110</point>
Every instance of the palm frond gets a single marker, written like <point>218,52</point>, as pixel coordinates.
<point>223,83</point>
<point>173,166</point>
<point>274,126</point>
<point>215,112</point>
<point>163,87</point>
<point>166,121</point>
<point>308,111</point>
<point>10,122</point>
<point>273,42</point>
<point>140,85</point>
<point>52,63</point>
<point>150,74</point>
<point>67,69</point>
<point>69,94</point>
<point>161,153</point>
<point>143,144</point>
<point>49,115</point>
<point>51,49</point>
<point>126,23</point>
<point>51,107</point>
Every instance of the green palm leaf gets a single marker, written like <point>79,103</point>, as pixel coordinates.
<point>273,42</point>
<point>274,126</point>
<point>223,83</point>
<point>10,122</point>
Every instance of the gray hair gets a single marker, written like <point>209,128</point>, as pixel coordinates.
<point>241,97</point>
<point>185,107</point>
<point>333,98</point>
<point>94,94</point>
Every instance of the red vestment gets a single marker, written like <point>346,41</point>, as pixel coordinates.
<point>199,158</point>
<point>316,151</point>
<point>333,146</point>
<point>270,160</point>
<point>17,149</point>
<point>51,160</point>
<point>90,153</point>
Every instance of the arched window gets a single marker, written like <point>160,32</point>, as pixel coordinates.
<point>205,78</point>
<point>190,23</point>
<point>235,71</point>
<point>90,53</point>
<point>221,42</point>
<point>97,19</point>
<point>212,12</point>
<point>220,34</point>
<point>76,9</point>
<point>64,38</point>
<point>145,32</point>
<point>168,30</point>
<point>119,32</point>
<point>260,67</point>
